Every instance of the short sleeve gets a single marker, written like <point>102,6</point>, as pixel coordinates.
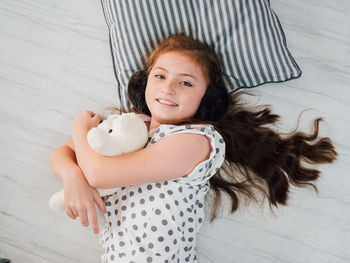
<point>206,169</point>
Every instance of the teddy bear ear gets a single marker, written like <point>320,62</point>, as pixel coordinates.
<point>136,91</point>
<point>112,116</point>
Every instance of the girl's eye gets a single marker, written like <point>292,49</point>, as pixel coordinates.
<point>159,76</point>
<point>186,83</point>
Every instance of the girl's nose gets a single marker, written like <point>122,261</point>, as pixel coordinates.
<point>168,88</point>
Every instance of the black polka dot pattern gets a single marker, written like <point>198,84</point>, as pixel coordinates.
<point>158,222</point>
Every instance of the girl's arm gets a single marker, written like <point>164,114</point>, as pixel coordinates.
<point>63,161</point>
<point>169,158</point>
<point>80,197</point>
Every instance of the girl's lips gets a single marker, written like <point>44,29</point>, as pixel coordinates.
<point>166,102</point>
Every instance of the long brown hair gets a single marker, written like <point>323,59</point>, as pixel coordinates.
<point>257,157</point>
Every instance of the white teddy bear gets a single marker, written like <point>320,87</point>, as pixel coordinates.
<point>118,134</point>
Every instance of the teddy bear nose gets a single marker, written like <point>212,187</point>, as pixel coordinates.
<point>110,131</point>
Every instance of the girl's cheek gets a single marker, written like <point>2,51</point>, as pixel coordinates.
<point>153,82</point>
<point>156,81</point>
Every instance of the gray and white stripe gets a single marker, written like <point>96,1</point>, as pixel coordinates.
<point>246,34</point>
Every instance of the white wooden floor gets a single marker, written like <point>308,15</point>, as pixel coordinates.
<point>55,62</point>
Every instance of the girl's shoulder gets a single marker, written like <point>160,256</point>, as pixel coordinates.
<point>216,141</point>
<point>205,169</point>
<point>169,129</point>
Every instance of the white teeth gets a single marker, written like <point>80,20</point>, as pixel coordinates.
<point>167,102</point>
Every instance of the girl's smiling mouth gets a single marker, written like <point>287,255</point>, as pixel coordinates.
<point>166,102</point>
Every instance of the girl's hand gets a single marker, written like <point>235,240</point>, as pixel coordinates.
<point>84,121</point>
<point>80,199</point>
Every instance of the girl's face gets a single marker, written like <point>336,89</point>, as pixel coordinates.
<point>175,88</point>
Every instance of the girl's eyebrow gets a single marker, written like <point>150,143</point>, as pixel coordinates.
<point>183,74</point>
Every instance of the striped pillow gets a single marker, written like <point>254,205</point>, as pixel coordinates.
<point>246,34</point>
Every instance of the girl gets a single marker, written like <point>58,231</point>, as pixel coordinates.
<point>194,129</point>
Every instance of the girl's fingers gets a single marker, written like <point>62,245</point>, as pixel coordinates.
<point>96,116</point>
<point>97,119</point>
<point>70,213</point>
<point>75,212</point>
<point>83,217</point>
<point>93,220</point>
<point>99,202</point>
<point>90,113</point>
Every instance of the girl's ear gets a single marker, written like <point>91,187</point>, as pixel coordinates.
<point>214,103</point>
<point>136,91</point>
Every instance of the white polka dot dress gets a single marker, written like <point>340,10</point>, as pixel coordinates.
<point>158,222</point>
